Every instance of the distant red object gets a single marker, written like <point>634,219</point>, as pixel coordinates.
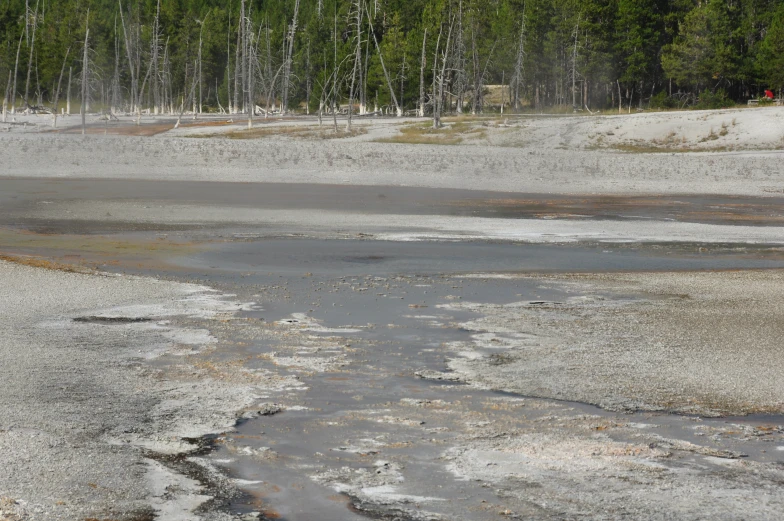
<point>769,94</point>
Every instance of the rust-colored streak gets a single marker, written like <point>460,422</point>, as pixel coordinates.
<point>145,130</point>
<point>762,212</point>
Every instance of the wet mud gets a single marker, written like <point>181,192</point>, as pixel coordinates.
<point>367,431</point>
<point>382,427</point>
<point>23,193</point>
<point>399,380</point>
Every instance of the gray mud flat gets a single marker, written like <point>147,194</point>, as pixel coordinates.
<point>349,330</point>
<point>392,424</point>
<point>694,343</point>
<point>395,381</point>
<point>89,428</point>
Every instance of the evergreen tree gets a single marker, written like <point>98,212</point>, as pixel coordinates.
<point>556,52</point>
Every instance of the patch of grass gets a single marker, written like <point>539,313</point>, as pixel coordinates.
<point>36,262</point>
<point>81,253</point>
<point>453,132</point>
<point>669,140</point>
<point>712,136</point>
<point>303,132</point>
<point>652,149</point>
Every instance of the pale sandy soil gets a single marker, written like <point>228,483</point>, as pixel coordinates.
<point>541,155</point>
<point>694,343</point>
<point>687,131</point>
<point>86,426</point>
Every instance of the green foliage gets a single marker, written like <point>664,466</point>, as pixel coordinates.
<point>662,100</point>
<point>770,55</point>
<point>639,34</point>
<point>713,100</point>
<point>586,49</point>
<point>703,53</point>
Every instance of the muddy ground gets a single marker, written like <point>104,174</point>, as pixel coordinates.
<point>291,327</point>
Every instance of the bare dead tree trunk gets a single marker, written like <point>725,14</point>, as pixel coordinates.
<point>321,108</point>
<point>168,96</point>
<point>398,110</point>
<point>115,76</point>
<point>201,82</point>
<point>402,84</point>
<point>256,69</point>
<point>30,60</point>
<point>357,60</point>
<point>308,85</point>
<point>68,96</point>
<point>288,58</point>
<point>141,91</point>
<point>537,101</point>
<point>503,91</point>
<point>517,81</point>
<point>190,95</point>
<point>238,65</point>
<point>574,64</point>
<point>251,75</point>
<point>362,73</point>
<point>27,22</point>
<point>438,107</point>
<point>16,73</point>
<point>228,67</point>
<point>481,78</point>
<point>217,98</point>
<point>85,67</point>
<point>154,75</point>
<point>421,112</point>
<point>363,76</point>
<point>335,74</point>
<point>268,67</point>
<point>584,94</point>
<point>5,97</point>
<point>475,103</point>
<point>59,83</point>
<point>128,51</point>
<point>194,106</point>
<point>201,77</point>
<point>436,122</point>
<point>243,43</point>
<point>460,60</point>
<point>248,65</point>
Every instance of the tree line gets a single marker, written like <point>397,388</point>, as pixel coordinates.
<point>425,57</point>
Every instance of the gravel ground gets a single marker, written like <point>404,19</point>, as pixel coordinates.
<point>584,467</point>
<point>532,168</point>
<point>694,343</point>
<point>83,420</point>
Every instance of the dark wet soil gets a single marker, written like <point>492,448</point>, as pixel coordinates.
<point>371,406</point>
<point>361,413</point>
<point>20,193</point>
<point>111,320</point>
<point>351,257</point>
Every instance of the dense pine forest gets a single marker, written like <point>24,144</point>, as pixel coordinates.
<point>395,56</point>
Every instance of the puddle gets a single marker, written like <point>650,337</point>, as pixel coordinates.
<point>290,257</point>
<point>374,408</point>
<point>362,327</point>
<point>710,209</point>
